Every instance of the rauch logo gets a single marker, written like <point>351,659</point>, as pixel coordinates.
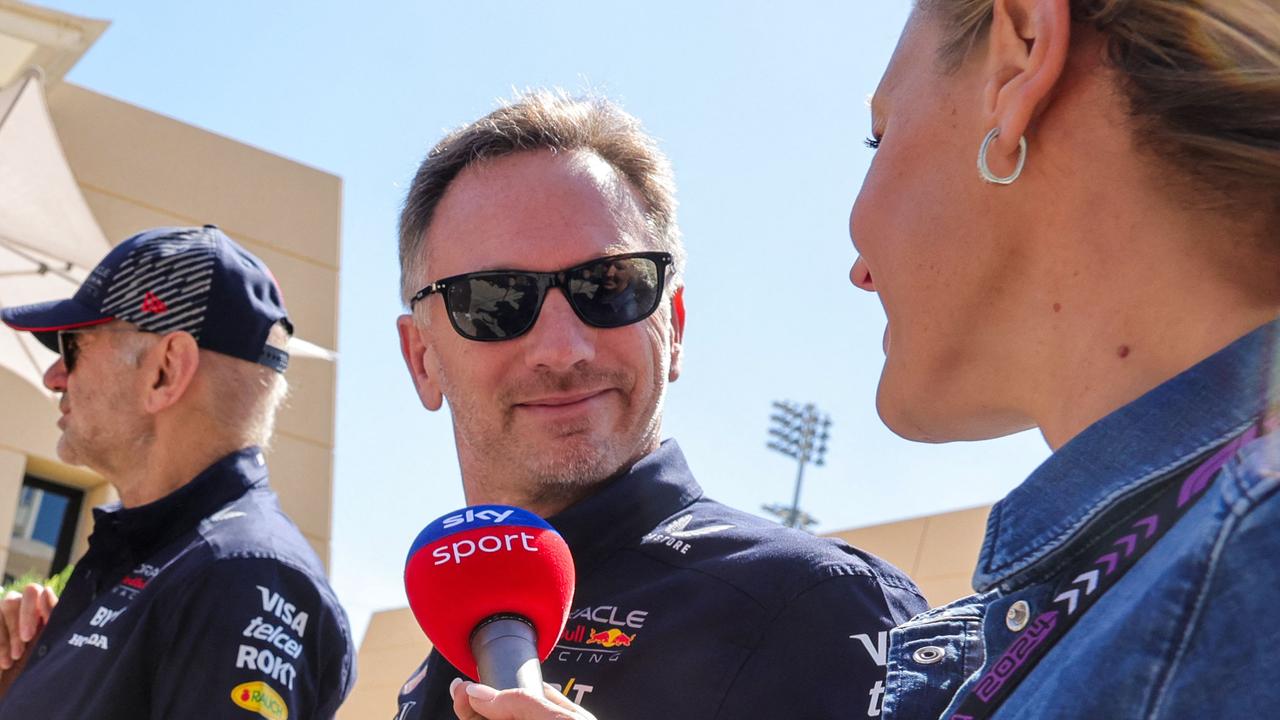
<point>261,698</point>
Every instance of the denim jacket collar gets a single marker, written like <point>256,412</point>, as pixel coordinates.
<point>1124,451</point>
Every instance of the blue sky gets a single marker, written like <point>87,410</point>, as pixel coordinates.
<point>762,111</point>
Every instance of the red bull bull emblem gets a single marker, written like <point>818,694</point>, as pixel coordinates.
<point>611,638</point>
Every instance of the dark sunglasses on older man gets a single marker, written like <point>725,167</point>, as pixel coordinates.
<point>69,343</point>
<point>69,348</point>
<point>607,292</point>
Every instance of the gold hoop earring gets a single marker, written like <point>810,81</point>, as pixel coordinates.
<point>985,172</point>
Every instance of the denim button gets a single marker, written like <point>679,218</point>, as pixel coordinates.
<point>42,650</point>
<point>928,655</point>
<point>1017,617</point>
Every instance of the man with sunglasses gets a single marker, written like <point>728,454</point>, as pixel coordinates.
<point>541,264</point>
<point>197,596</point>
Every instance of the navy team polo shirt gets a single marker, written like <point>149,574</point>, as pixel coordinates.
<point>686,608</point>
<point>207,603</point>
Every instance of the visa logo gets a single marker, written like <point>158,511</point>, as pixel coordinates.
<point>471,516</point>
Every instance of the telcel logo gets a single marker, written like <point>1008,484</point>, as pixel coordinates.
<point>471,516</point>
<point>261,698</point>
<point>457,551</point>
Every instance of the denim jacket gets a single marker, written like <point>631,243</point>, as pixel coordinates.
<point>1190,631</point>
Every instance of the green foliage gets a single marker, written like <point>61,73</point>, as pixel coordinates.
<point>57,582</point>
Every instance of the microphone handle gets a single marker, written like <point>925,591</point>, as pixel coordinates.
<point>506,652</point>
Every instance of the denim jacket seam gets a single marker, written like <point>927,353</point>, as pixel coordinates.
<point>1059,537</point>
<point>1234,514</point>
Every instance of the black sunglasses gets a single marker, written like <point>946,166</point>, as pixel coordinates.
<point>69,343</point>
<point>607,292</point>
<point>69,347</point>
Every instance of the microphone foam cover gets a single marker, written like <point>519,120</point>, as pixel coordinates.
<point>482,561</point>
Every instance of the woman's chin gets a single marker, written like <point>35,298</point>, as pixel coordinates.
<point>926,415</point>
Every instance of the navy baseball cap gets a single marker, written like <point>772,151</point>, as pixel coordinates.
<point>196,280</point>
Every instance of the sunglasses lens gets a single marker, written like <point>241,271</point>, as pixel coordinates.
<point>68,349</point>
<point>613,292</point>
<point>492,306</point>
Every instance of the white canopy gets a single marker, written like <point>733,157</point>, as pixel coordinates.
<point>49,240</point>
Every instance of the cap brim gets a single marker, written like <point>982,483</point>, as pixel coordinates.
<point>45,319</point>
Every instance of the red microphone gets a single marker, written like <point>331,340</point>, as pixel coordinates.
<point>491,586</point>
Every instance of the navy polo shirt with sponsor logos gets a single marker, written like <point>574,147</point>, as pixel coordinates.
<point>207,603</point>
<point>686,608</point>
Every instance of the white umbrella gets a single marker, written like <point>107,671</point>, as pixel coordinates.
<point>49,239</point>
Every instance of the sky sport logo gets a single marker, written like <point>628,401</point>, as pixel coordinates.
<point>261,698</point>
<point>460,550</point>
<point>469,516</point>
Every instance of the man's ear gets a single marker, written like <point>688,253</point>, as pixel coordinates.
<point>414,348</point>
<point>170,366</point>
<point>677,333</point>
<point>1026,55</point>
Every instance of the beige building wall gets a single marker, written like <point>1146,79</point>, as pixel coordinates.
<point>939,552</point>
<point>393,647</point>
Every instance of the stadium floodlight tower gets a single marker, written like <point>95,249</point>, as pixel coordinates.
<point>800,432</point>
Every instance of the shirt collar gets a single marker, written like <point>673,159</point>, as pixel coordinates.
<point>144,529</point>
<point>628,507</point>
<point>1132,447</point>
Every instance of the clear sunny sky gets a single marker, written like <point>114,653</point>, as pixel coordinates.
<point>762,109</point>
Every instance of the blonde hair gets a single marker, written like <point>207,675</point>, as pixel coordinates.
<point>1202,79</point>
<point>543,120</point>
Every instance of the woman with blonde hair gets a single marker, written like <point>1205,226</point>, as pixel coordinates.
<point>1073,223</point>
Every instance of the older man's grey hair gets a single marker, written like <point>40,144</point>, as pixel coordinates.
<point>248,395</point>
<point>542,120</point>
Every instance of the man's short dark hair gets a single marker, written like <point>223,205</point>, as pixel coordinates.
<point>542,120</point>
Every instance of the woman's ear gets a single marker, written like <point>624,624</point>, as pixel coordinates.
<point>1026,56</point>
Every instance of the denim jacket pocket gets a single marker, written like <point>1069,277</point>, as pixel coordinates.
<point>930,657</point>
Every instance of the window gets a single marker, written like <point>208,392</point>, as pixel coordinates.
<point>44,528</point>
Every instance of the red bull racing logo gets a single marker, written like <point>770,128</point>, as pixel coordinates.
<point>611,638</point>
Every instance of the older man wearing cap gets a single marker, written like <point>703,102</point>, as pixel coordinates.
<point>197,597</point>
